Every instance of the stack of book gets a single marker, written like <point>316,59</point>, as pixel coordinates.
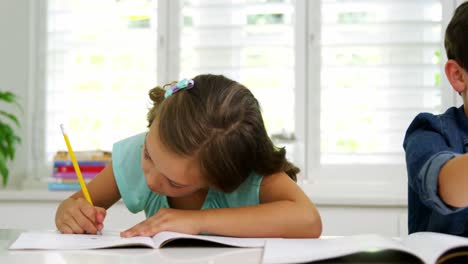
<point>64,177</point>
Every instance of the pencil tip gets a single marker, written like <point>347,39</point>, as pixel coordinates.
<point>62,128</point>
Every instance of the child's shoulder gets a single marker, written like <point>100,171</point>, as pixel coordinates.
<point>135,139</point>
<point>438,122</point>
<point>452,126</point>
<point>127,151</point>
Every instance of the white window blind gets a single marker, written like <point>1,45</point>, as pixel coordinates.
<point>380,67</point>
<point>250,41</point>
<point>100,64</point>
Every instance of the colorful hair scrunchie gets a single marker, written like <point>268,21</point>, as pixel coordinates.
<point>182,84</point>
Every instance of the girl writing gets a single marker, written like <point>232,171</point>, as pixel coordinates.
<point>206,165</point>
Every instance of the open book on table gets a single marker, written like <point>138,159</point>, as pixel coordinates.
<point>427,247</point>
<point>57,241</point>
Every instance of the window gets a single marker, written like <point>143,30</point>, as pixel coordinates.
<point>380,65</point>
<point>250,41</point>
<point>100,63</point>
<point>339,81</point>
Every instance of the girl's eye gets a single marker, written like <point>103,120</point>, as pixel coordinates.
<point>174,185</point>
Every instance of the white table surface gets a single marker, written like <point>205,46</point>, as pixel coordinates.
<point>210,255</point>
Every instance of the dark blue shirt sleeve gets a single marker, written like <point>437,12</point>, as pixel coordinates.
<point>427,150</point>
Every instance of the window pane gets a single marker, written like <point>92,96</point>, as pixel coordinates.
<point>251,42</point>
<point>101,62</point>
<point>380,67</point>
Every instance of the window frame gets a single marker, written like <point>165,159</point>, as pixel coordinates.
<point>38,162</point>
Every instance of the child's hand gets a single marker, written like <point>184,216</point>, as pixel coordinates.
<point>77,216</point>
<point>167,219</point>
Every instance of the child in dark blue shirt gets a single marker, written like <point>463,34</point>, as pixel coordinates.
<point>436,148</point>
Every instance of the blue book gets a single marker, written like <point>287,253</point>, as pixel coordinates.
<point>58,163</point>
<point>66,186</point>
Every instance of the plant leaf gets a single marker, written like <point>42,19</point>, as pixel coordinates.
<point>11,117</point>
<point>7,96</point>
<point>3,169</point>
<point>3,140</point>
<point>8,137</point>
<point>10,97</point>
<point>7,141</point>
<point>11,147</point>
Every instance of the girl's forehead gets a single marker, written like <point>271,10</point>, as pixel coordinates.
<point>178,168</point>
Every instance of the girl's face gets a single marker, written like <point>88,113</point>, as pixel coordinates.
<point>167,173</point>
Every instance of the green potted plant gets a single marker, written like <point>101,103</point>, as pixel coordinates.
<point>8,137</point>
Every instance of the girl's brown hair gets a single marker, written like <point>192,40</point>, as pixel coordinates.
<point>219,121</point>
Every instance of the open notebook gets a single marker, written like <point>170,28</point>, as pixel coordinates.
<point>54,240</point>
<point>428,247</point>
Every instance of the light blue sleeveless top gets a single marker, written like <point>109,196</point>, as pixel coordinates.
<point>126,162</point>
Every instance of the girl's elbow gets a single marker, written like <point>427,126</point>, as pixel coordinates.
<point>311,226</point>
<point>314,226</point>
<point>317,230</point>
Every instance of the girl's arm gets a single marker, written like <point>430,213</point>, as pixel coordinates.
<point>76,215</point>
<point>285,211</point>
<point>102,189</point>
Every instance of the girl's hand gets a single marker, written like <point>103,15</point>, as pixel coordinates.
<point>168,219</point>
<point>77,216</point>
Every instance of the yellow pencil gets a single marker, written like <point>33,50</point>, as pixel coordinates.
<point>77,168</point>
